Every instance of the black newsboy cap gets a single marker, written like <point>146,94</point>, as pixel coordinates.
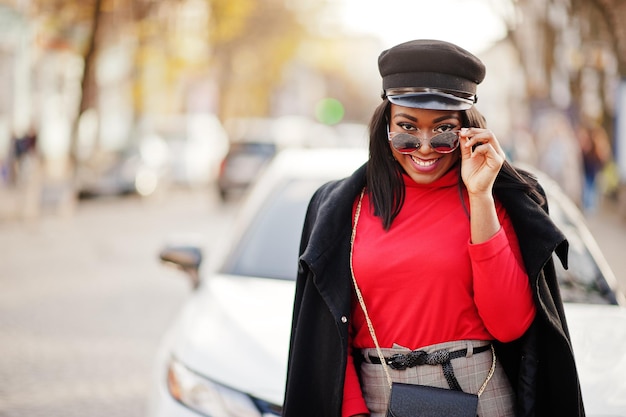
<point>430,74</point>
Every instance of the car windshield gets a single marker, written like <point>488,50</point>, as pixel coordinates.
<point>269,248</point>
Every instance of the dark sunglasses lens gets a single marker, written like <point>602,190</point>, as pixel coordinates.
<point>445,142</point>
<point>405,143</point>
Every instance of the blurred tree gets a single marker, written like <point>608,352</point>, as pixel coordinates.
<point>240,45</point>
<point>67,25</point>
<point>88,91</point>
<point>566,45</point>
<point>251,42</point>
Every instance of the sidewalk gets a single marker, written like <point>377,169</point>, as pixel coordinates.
<point>30,203</point>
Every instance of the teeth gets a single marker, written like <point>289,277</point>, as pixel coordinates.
<point>423,163</point>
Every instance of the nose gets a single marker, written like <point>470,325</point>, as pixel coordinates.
<point>424,147</point>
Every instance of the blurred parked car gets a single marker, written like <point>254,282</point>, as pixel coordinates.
<point>242,165</point>
<point>255,141</point>
<point>184,150</point>
<point>135,169</point>
<point>226,353</point>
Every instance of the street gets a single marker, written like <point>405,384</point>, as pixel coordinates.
<point>84,299</point>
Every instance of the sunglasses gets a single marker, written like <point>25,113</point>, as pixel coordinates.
<point>405,143</point>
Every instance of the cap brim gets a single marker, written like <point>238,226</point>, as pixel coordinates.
<point>431,101</point>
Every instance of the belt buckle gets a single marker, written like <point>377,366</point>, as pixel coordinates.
<point>398,362</point>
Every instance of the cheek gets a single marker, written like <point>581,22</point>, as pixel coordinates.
<point>452,158</point>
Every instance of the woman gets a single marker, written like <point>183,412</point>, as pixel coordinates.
<point>451,249</point>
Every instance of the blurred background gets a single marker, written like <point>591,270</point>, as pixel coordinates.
<point>125,121</point>
<point>112,96</point>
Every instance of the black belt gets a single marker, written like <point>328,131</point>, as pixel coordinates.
<point>419,357</point>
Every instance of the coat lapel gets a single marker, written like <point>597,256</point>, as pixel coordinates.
<point>327,251</point>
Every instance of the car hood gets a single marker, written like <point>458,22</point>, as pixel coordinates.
<point>598,335</point>
<point>235,331</point>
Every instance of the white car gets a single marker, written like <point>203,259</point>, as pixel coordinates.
<point>226,353</point>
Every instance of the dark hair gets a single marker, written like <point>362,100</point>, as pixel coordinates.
<point>384,174</point>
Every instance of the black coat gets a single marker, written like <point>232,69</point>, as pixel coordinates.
<point>540,364</point>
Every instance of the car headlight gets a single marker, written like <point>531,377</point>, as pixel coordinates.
<point>211,399</point>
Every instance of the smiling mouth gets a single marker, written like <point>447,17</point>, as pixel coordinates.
<point>424,163</point>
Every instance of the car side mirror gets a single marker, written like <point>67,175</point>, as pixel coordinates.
<point>185,258</point>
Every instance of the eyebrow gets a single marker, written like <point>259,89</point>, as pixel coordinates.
<point>436,120</point>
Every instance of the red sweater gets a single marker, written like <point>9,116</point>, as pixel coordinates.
<point>424,282</point>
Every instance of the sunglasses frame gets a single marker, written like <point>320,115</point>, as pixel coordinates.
<point>419,141</point>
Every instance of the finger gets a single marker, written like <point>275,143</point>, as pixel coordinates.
<point>476,138</point>
<point>476,143</point>
<point>481,137</point>
<point>466,151</point>
<point>489,156</point>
